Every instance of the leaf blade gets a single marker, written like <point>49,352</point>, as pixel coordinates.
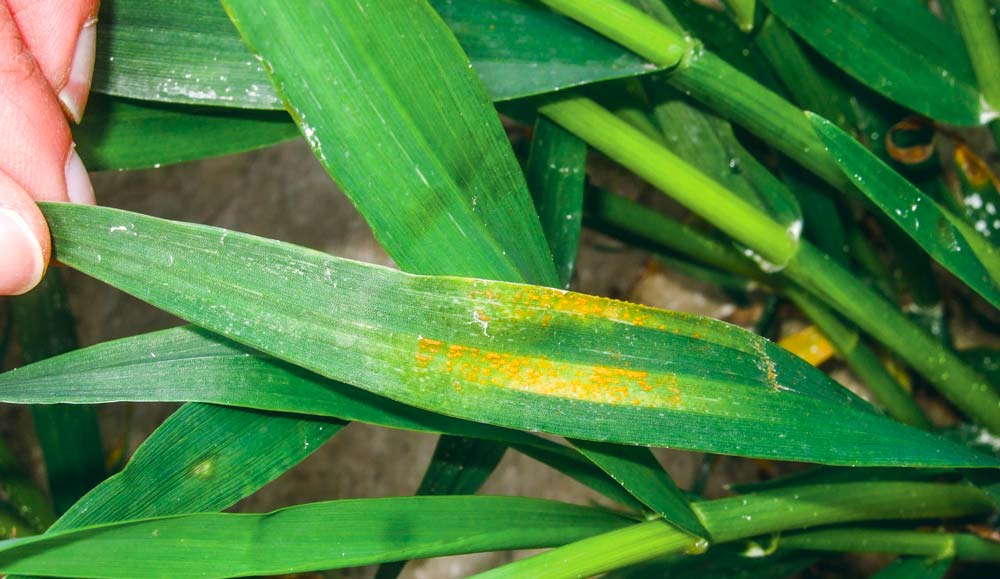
<point>947,239</point>
<point>916,61</point>
<point>309,537</point>
<point>470,315</point>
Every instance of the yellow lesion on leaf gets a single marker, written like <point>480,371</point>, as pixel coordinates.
<point>526,301</point>
<point>539,375</point>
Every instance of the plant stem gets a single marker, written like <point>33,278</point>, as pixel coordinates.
<point>929,544</point>
<point>980,35</point>
<point>862,360</point>
<point>746,516</point>
<point>628,26</point>
<point>712,81</point>
<point>837,287</point>
<point>621,213</point>
<point>601,553</point>
<point>654,163</point>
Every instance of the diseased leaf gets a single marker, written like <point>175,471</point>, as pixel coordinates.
<point>517,356</point>
<point>946,238</point>
<point>187,51</point>
<point>309,537</point>
<point>916,60</point>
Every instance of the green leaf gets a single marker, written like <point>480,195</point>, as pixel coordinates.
<point>556,175</point>
<point>459,466</point>
<point>915,60</point>
<point>423,156</point>
<point>916,568</point>
<point>518,356</point>
<point>707,142</point>
<point>946,238</point>
<point>116,132</point>
<point>190,364</point>
<point>649,483</point>
<point>187,465</point>
<point>187,51</point>
<point>309,537</point>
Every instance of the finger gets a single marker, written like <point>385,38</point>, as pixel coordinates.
<point>24,240</point>
<point>62,36</point>
<point>37,161</point>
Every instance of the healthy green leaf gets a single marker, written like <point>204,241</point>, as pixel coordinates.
<point>422,155</point>
<point>946,238</point>
<point>187,465</point>
<point>708,143</point>
<point>915,60</point>
<point>916,568</point>
<point>309,537</point>
<point>651,484</point>
<point>518,356</point>
<point>935,544</point>
<point>186,51</point>
<point>556,175</point>
<point>116,132</point>
<point>459,466</point>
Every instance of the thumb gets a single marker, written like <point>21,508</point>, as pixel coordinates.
<point>24,240</point>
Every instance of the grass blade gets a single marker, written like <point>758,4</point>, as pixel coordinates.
<point>115,133</point>
<point>434,136</point>
<point>552,376</point>
<point>203,367</point>
<point>914,60</point>
<point>556,175</point>
<point>187,51</point>
<point>946,238</point>
<point>309,537</point>
<point>187,465</point>
<point>459,466</point>
<point>916,568</point>
<point>650,483</point>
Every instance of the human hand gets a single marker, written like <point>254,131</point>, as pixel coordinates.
<point>46,61</point>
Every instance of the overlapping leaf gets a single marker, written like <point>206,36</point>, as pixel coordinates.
<point>186,51</point>
<point>897,48</point>
<point>947,238</point>
<point>309,537</point>
<point>116,132</point>
<point>518,356</point>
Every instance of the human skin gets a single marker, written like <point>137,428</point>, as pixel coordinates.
<point>47,50</point>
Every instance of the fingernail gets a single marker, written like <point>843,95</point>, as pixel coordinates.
<point>21,260</point>
<point>77,88</point>
<point>78,185</point>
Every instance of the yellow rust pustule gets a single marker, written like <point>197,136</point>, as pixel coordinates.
<point>467,365</point>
